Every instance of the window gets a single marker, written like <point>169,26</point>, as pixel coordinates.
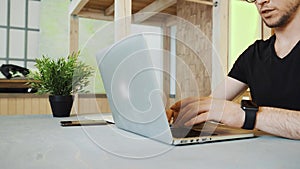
<point>19,32</point>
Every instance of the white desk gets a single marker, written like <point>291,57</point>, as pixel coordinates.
<point>39,142</point>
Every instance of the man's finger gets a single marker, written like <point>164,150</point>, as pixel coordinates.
<point>182,103</point>
<point>169,114</point>
<point>196,120</point>
<point>176,106</point>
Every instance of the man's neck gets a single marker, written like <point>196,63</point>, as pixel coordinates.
<point>287,36</point>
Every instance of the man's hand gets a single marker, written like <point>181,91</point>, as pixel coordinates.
<point>193,110</point>
<point>174,110</point>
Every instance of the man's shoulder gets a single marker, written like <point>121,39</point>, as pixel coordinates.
<point>260,47</point>
<point>264,43</point>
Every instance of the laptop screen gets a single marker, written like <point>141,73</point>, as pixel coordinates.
<point>132,88</point>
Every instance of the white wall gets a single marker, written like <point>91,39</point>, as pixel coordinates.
<point>244,28</point>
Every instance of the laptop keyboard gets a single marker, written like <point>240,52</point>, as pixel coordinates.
<point>189,132</point>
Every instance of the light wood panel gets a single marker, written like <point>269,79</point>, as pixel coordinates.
<point>23,104</point>
<point>193,49</point>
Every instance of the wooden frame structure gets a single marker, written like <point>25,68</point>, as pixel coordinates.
<point>110,10</point>
<point>143,12</point>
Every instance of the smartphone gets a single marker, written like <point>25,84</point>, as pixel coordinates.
<point>83,123</point>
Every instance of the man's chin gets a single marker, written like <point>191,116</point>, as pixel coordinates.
<point>271,24</point>
<point>276,22</point>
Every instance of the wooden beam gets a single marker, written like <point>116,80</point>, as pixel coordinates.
<point>152,9</point>
<point>155,21</point>
<point>220,40</point>
<point>74,27</point>
<point>166,63</point>
<point>202,2</point>
<point>76,6</point>
<point>122,18</point>
<point>161,21</point>
<point>110,10</point>
<point>95,14</point>
<point>171,21</point>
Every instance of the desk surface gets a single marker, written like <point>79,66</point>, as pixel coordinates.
<point>38,141</point>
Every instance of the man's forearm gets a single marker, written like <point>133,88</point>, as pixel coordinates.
<point>229,89</point>
<point>281,122</point>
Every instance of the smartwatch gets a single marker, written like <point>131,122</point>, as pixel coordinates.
<point>251,110</point>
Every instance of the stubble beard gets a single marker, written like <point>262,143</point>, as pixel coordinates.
<point>284,19</point>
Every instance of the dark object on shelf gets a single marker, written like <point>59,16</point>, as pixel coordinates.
<point>15,85</point>
<point>10,70</point>
<point>17,90</point>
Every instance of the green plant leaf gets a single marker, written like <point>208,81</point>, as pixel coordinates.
<point>63,76</point>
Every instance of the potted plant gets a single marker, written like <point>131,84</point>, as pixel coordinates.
<point>60,78</point>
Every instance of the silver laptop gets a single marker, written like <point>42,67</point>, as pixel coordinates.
<point>135,97</point>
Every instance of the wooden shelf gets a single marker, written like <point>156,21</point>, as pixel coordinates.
<point>104,9</point>
<point>142,12</point>
<point>13,83</point>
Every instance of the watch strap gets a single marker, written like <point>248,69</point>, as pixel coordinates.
<point>250,119</point>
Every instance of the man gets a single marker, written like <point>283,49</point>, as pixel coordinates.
<point>271,69</point>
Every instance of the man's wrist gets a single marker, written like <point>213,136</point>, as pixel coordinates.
<point>250,109</point>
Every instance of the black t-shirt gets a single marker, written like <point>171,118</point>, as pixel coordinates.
<point>273,81</point>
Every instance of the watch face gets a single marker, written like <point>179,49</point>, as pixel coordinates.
<point>248,105</point>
